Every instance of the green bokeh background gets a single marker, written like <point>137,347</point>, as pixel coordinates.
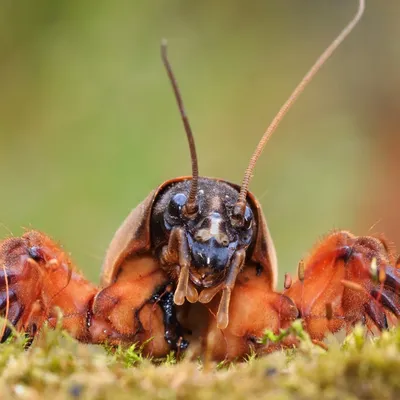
<point>89,125</point>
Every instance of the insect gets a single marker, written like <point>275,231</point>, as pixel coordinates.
<point>194,265</point>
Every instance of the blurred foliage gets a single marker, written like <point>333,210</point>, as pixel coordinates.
<point>58,367</point>
<point>89,125</point>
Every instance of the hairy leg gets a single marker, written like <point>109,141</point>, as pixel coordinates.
<point>37,272</point>
<point>38,279</point>
<point>347,279</point>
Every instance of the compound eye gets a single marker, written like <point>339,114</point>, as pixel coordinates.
<point>176,205</point>
<point>248,218</point>
<point>35,253</point>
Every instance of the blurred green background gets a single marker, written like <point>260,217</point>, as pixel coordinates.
<point>89,125</point>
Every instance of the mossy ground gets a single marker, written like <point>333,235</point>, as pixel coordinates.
<point>58,367</point>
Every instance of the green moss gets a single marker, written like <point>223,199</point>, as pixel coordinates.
<point>56,366</point>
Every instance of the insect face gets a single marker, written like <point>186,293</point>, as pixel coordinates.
<point>211,233</point>
<point>205,228</point>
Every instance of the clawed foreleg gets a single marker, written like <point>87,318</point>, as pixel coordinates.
<point>38,281</point>
<point>347,279</point>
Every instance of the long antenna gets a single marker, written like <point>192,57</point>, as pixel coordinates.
<point>191,206</point>
<point>239,209</point>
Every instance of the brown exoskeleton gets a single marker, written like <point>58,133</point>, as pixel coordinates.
<point>195,262</point>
